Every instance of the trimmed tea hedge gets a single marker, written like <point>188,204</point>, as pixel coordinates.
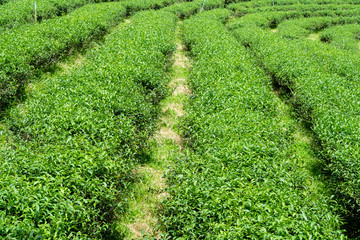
<point>187,9</point>
<point>31,46</point>
<point>325,9</point>
<point>27,48</point>
<point>324,80</point>
<point>239,180</point>
<point>276,3</point>
<point>17,13</point>
<point>298,28</point>
<point>344,37</point>
<point>65,172</point>
<point>273,19</point>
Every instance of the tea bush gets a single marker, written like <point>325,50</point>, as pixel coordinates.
<point>68,164</point>
<point>344,37</point>
<point>17,13</point>
<point>238,179</point>
<point>30,47</point>
<point>298,28</point>
<point>324,80</point>
<point>187,9</point>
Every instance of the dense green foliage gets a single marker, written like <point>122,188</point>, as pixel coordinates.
<point>30,46</point>
<point>275,3</point>
<point>6,1</point>
<point>325,81</point>
<point>303,20</point>
<point>273,19</point>
<point>187,9</point>
<point>326,9</point>
<point>239,179</point>
<point>345,37</point>
<point>135,6</point>
<point>16,13</point>
<point>302,27</point>
<point>70,150</point>
<point>66,169</point>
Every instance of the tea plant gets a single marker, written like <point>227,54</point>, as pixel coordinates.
<point>76,141</point>
<point>343,37</point>
<point>187,9</point>
<point>238,179</point>
<point>298,28</point>
<point>27,48</point>
<point>17,13</point>
<point>31,46</point>
<point>276,3</point>
<point>326,94</point>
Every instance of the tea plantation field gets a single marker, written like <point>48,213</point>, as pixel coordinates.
<point>269,135</point>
